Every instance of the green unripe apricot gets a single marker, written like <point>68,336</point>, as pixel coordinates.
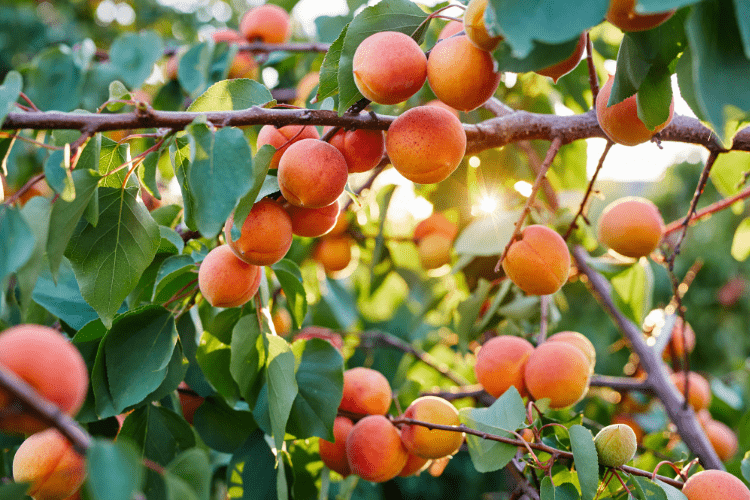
<point>616,445</point>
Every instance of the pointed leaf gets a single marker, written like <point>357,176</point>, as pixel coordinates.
<point>9,92</point>
<point>632,290</point>
<point>16,241</point>
<point>251,474</point>
<point>221,427</point>
<point>290,277</point>
<point>214,358</point>
<point>135,54</point>
<point>193,468</point>
<point>248,357</point>
<point>586,460</point>
<point>232,95</point>
<point>329,70</point>
<point>158,433</point>
<point>114,470</point>
<point>282,386</point>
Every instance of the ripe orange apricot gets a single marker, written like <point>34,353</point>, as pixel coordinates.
<point>722,438</point>
<point>389,67</point>
<point>362,149</point>
<point>227,281</point>
<point>451,29</point>
<point>282,321</point>
<point>282,138</point>
<point>47,461</point>
<point>43,358</point>
<point>501,362</point>
<point>620,122</point>
<point>304,88</point>
<point>334,454</point>
<point>374,449</point>
<point>475,28</point>
<point>426,144</point>
<point>244,65</point>
<point>435,223</point>
<point>441,104</point>
<point>556,71</point>
<point>269,23</point>
<point>414,465</point>
<point>366,392</point>
<point>313,222</point>
<point>714,485</point>
<point>631,226</point>
<point>334,252</point>
<point>539,261</point>
<point>265,236</point>
<point>700,390</point>
<point>228,36</point>
<point>622,14</point>
<point>559,371</point>
<point>580,341</point>
<point>431,443</point>
<point>434,250</point>
<point>460,74</point>
<point>312,174</point>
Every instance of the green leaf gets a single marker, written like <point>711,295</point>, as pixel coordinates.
<point>389,15</point>
<point>109,259</point>
<point>744,466</point>
<point>194,470</point>
<point>290,277</point>
<point>175,273</point>
<point>59,177</point>
<point>54,80</point>
<point>741,241</point>
<point>13,491</point>
<point>506,414</point>
<point>341,302</point>
<point>728,171</point>
<point>467,313</point>
<point>743,23</point>
<point>117,92</point>
<point>541,56</point>
<point>214,358</point>
<point>651,6</point>
<point>114,470</point>
<point>63,299</point>
<point>282,386</point>
<point>175,373</point>
<point>9,92</point>
<point>632,290</point>
<point>158,433</point>
<point>36,214</point>
<point>329,70</point>
<point>320,379</point>
<point>135,54</point>
<point>114,155</point>
<point>251,474</point>
<point>16,241</point>
<point>232,95</point>
<point>547,489</point>
<point>248,358</point>
<point>195,65</point>
<point>179,154</point>
<point>221,427</point>
<point>586,460</point>
<point>646,489</point>
<point>487,236</point>
<point>672,492</point>
<point>261,162</point>
<point>147,174</point>
<point>654,98</point>
<point>177,488</point>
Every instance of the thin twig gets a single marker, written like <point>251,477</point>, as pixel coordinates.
<point>707,211</point>
<point>593,77</point>
<point>589,190</point>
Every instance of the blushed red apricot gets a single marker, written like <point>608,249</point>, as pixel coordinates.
<point>580,341</point>
<point>414,465</point>
<point>622,14</point>
<point>312,174</point>
<point>461,75</point>
<point>189,401</point>
<point>451,29</point>
<point>43,358</point>
<point>269,23</point>
<point>434,250</point>
<point>47,461</point>
<point>620,121</point>
<point>389,67</point>
<point>431,443</point>
<point>282,321</point>
<point>435,223</point>
<point>722,438</point>
<point>334,252</point>
<point>362,149</point>
<point>558,371</point>
<point>227,281</point>
<point>282,138</point>
<point>366,392</point>
<point>556,71</point>
<point>631,226</point>
<point>715,485</point>
<point>539,261</point>
<point>334,454</point>
<point>313,222</point>
<point>500,364</point>
<point>374,449</point>
<point>265,236</point>
<point>426,144</point>
<point>699,396</point>
<point>476,31</point>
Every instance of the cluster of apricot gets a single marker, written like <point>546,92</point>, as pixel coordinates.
<point>434,237</point>
<point>44,359</point>
<point>375,449</point>
<point>558,369</point>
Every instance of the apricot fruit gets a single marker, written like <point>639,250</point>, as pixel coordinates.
<point>265,235</point>
<point>441,104</point>
<point>282,321</point>
<point>389,67</point>
<point>616,445</point>
<point>580,341</point>
<point>374,449</point>
<point>558,371</point>
<point>43,358</point>
<point>244,65</point>
<point>631,226</point>
<point>366,392</point>
<point>434,250</point>
<point>267,23</point>
<point>722,438</point>
<point>320,332</point>
<point>501,362</point>
<point>313,222</point>
<point>362,149</point>
<point>228,36</point>
<point>625,419</point>
<point>556,71</point>
<point>714,485</point>
<point>620,121</point>
<point>426,144</point>
<point>451,29</point>
<point>225,280</point>
<point>431,443</point>
<point>622,14</point>
<point>461,75</point>
<point>699,396</point>
<point>47,461</point>
<point>414,465</point>
<point>282,138</point>
<point>334,454</point>
<point>437,223</point>
<point>539,261</point>
<point>305,87</point>
<point>312,174</point>
<point>189,402</point>
<point>334,253</point>
<point>676,345</point>
<point>476,31</point>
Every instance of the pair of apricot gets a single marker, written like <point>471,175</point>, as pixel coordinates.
<point>434,238</point>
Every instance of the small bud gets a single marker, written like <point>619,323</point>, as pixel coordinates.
<point>615,444</point>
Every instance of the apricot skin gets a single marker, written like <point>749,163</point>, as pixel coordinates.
<point>313,222</point>
<point>700,390</point>
<point>426,144</point>
<point>451,29</point>
<point>620,122</point>
<point>631,226</point>
<point>189,402</point>
<point>227,281</point>
<point>622,14</point>
<point>269,23</point>
<point>282,138</point>
<point>580,341</point>
<point>441,104</point>
<point>366,392</point>
<point>500,364</point>
<point>461,75</point>
<point>49,463</point>
<point>557,71</point>
<point>538,262</point>
<point>434,250</point>
<point>389,67</point>
<point>559,371</point>
<point>414,465</point>
<point>676,346</point>
<point>282,321</point>
<point>435,223</point>
<point>715,485</point>
<point>431,443</point>
<point>374,449</point>
<point>312,174</point>
<point>265,235</point>
<point>362,149</point>
<point>475,29</point>
<point>305,87</point>
<point>333,454</point>
<point>334,253</point>
<point>50,364</point>
<point>722,438</point>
